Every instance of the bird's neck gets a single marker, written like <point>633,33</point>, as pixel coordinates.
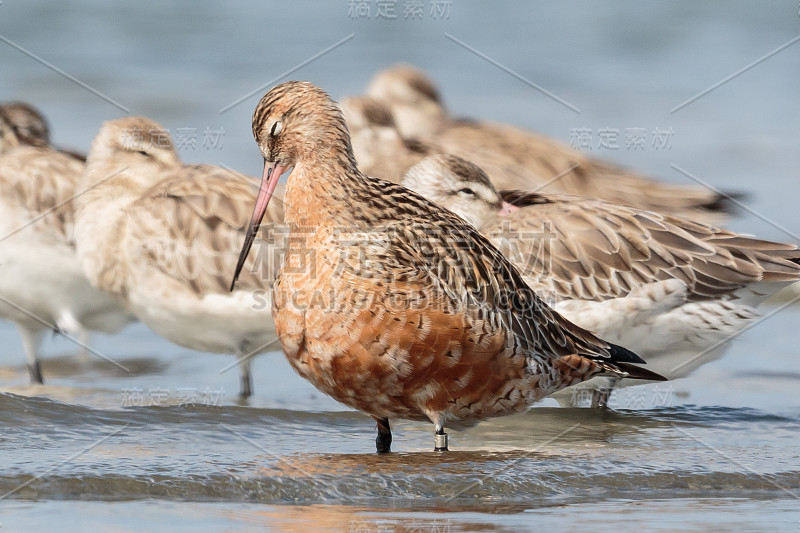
<point>106,191</point>
<point>109,179</point>
<point>324,190</point>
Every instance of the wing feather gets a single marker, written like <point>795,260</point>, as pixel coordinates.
<point>472,276</point>
<point>590,249</point>
<point>40,184</point>
<point>192,223</point>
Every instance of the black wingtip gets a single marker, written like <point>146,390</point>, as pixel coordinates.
<point>727,202</point>
<point>624,355</point>
<point>627,361</point>
<point>521,198</point>
<point>637,372</point>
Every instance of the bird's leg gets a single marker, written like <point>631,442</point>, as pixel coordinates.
<point>383,442</point>
<point>35,371</point>
<point>245,377</point>
<point>73,330</point>
<point>30,342</point>
<point>601,395</point>
<point>600,398</point>
<point>83,351</point>
<point>440,439</point>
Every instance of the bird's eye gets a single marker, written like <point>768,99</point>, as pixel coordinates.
<point>141,152</point>
<point>466,191</point>
<point>276,128</point>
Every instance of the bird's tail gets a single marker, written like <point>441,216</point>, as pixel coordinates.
<point>623,363</point>
<point>631,371</point>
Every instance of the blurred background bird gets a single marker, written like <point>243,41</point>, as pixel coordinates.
<point>42,285</point>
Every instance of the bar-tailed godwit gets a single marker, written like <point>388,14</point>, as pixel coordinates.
<point>31,128</point>
<point>379,148</point>
<point>42,286</point>
<point>671,290</point>
<point>394,306</point>
<point>8,139</point>
<point>515,158</point>
<point>413,98</point>
<point>163,236</point>
<point>28,123</point>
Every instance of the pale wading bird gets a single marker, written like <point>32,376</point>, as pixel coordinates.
<point>31,127</point>
<point>518,159</point>
<point>42,286</point>
<point>28,123</point>
<point>162,237</point>
<point>379,148</point>
<point>671,290</point>
<point>8,139</point>
<point>394,306</point>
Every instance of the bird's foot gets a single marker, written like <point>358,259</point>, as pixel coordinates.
<point>440,440</point>
<point>383,442</point>
<point>245,387</point>
<point>600,398</point>
<point>35,371</point>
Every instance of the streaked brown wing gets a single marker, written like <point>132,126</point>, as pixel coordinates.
<point>42,182</point>
<point>591,249</point>
<point>192,225</point>
<point>474,278</point>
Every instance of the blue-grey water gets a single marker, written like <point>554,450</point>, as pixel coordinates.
<point>164,445</point>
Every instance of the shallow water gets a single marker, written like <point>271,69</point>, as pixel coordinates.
<point>163,443</point>
<point>690,455</point>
